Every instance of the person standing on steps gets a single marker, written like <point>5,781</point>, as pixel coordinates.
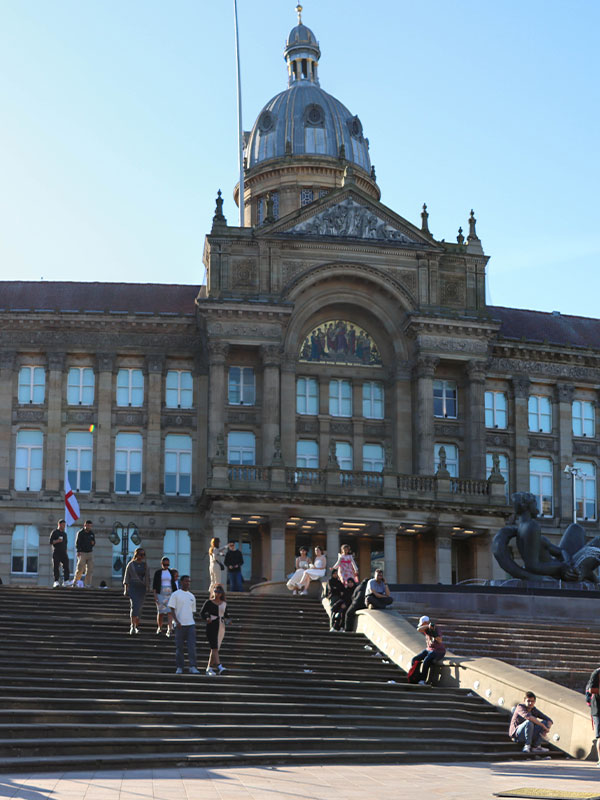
<point>183,607</point>
<point>215,563</point>
<point>85,542</point>
<point>346,565</point>
<point>58,540</point>
<point>528,725</point>
<point>214,611</point>
<point>135,584</point>
<point>163,586</point>
<point>233,564</point>
<point>592,696</point>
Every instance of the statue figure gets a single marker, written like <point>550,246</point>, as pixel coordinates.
<point>572,560</point>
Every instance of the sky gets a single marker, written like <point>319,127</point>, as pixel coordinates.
<point>118,126</point>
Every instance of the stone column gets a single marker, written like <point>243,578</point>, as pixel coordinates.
<point>217,393</point>
<point>399,406</point>
<point>7,376</point>
<point>443,557</point>
<point>54,461</point>
<point>271,358</point>
<point>521,385</point>
<point>423,417</point>
<point>154,393</point>
<point>332,527</point>
<point>475,439</point>
<point>390,532</point>
<point>288,402</point>
<point>201,441</point>
<point>105,367</point>
<point>564,404</point>
<point>277,547</point>
<point>364,557</point>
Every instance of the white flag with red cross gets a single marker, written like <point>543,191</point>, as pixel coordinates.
<point>71,504</point>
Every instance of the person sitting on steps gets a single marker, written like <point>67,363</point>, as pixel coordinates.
<point>528,725</point>
<point>317,569</point>
<point>378,592</point>
<point>434,650</point>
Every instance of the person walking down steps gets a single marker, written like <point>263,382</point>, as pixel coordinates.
<point>214,612</point>
<point>136,583</point>
<point>215,563</point>
<point>183,607</point>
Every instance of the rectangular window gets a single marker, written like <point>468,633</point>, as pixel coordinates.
<point>25,550</point>
<point>451,458</point>
<point>177,548</point>
<point>179,389</point>
<point>373,400</point>
<point>343,453</point>
<point>130,387</point>
<point>306,197</point>
<point>307,454</point>
<point>489,465</point>
<point>80,386</point>
<point>32,385</point>
<point>540,484</point>
<point>241,386</point>
<point>373,458</point>
<point>583,418</point>
<point>78,457</point>
<point>28,461</point>
<point>178,464</point>
<point>540,414</point>
<point>261,210</point>
<point>241,447</point>
<point>445,399</point>
<point>128,463</point>
<point>307,396</point>
<point>495,410</point>
<point>585,489</point>
<point>340,398</point>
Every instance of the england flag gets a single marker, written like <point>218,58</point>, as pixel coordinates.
<point>71,504</point>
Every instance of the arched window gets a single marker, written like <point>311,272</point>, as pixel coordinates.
<point>177,548</point>
<point>25,550</point>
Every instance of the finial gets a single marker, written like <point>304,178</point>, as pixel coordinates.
<point>425,220</point>
<point>472,232</point>
<point>460,238</point>
<point>299,11</point>
<point>219,218</point>
<point>373,175</point>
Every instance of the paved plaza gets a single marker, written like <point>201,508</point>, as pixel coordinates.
<point>467,781</point>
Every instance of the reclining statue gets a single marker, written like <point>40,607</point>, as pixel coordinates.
<point>572,560</point>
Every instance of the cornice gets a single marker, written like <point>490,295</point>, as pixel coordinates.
<point>446,326</point>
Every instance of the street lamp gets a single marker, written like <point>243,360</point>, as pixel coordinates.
<point>128,534</point>
<point>574,472</point>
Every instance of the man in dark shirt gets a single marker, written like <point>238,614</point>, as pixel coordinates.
<point>84,545</point>
<point>233,562</point>
<point>592,693</point>
<point>528,724</point>
<point>58,540</point>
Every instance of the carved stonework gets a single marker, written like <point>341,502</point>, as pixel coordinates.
<point>477,371</point>
<point>448,429</point>
<point>244,274</point>
<point>584,448</point>
<point>371,429</point>
<point>409,279</point>
<point>345,428</point>
<point>565,392</point>
<point>291,268</point>
<point>105,362</point>
<point>129,417</point>
<point>29,415</point>
<point>271,355</point>
<point>307,426</point>
<point>7,359</point>
<point>498,439</point>
<point>217,352</point>
<point>452,292</point>
<point>547,369</point>
<point>247,417</point>
<point>425,366</point>
<point>80,416</point>
<point>56,362</point>
<point>155,363</point>
<point>241,328</point>
<point>450,345</point>
<point>521,385</point>
<point>178,421</point>
<point>543,444</point>
<point>288,362</point>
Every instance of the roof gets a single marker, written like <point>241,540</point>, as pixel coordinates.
<point>547,328</point>
<point>144,298</point>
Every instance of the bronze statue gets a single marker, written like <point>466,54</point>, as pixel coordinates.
<point>572,560</point>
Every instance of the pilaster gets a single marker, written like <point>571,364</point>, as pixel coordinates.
<point>521,384</point>
<point>288,402</point>
<point>7,380</point>
<point>443,556</point>
<point>54,456</point>
<point>564,405</point>
<point>105,366</point>
<point>217,392</point>
<point>390,532</point>
<point>271,358</point>
<point>475,440</point>
<point>155,365</point>
<point>424,372</point>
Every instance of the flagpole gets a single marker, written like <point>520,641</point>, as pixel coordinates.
<point>240,128</point>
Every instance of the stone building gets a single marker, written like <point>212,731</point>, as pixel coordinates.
<point>339,378</point>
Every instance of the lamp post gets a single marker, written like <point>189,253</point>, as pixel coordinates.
<point>574,472</point>
<point>123,535</point>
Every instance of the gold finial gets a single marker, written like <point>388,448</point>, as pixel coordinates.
<point>299,10</point>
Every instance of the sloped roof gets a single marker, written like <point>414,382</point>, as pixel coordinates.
<point>543,327</point>
<point>145,298</point>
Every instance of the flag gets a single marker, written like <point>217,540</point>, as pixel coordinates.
<point>71,504</point>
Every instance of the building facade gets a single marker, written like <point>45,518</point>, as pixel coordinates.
<point>339,378</point>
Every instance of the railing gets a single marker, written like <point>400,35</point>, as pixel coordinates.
<point>468,486</point>
<point>372,481</point>
<point>300,476</point>
<point>248,474</point>
<point>416,483</point>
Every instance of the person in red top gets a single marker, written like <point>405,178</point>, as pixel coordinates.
<point>434,648</point>
<point>528,724</point>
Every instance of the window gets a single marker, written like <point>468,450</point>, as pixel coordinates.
<point>307,454</point>
<point>583,418</point>
<point>489,465</point>
<point>343,453</point>
<point>130,387</point>
<point>495,410</point>
<point>80,386</point>
<point>306,197</point>
<point>32,385</point>
<point>180,389</point>
<point>340,398</point>
<point>540,414</point>
<point>28,462</point>
<point>373,458</point>
<point>240,447</point>
<point>261,210</point>
<point>445,396</point>
<point>373,400</point>
<point>540,484</point>
<point>128,463</point>
<point>177,548</point>
<point>241,386</point>
<point>585,490</point>
<point>307,396</point>
<point>178,464</point>
<point>24,550</point>
<point>78,457</point>
<point>451,458</point>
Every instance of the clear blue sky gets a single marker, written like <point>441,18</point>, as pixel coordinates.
<point>119,125</point>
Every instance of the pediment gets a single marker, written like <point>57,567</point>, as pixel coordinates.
<point>349,214</point>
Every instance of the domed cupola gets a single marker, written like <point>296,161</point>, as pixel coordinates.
<point>303,138</point>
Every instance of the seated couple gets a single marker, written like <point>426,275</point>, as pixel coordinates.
<point>307,571</point>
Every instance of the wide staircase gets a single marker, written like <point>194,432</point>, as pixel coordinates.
<point>562,652</point>
<point>78,692</point>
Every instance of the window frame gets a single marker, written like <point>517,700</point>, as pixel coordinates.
<point>535,473</point>
<point>538,413</point>
<point>380,458</point>
<point>581,482</point>
<point>452,463</point>
<point>130,452</point>
<point>371,400</point>
<point>446,386</point>
<point>341,384</point>
<point>178,453</point>
<point>175,555</point>
<point>306,396</point>
<point>582,418</point>
<point>504,471</point>
<point>27,529</point>
<point>80,386</point>
<point>179,389</point>
<point>242,449</point>
<point>28,387</point>
<point>494,411</point>
<point>29,449</point>
<point>130,388</point>
<point>79,450</point>
<point>346,462</point>
<point>244,386</point>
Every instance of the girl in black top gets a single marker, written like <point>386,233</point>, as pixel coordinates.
<point>340,603</point>
<point>214,611</point>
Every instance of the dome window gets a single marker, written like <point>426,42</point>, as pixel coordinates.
<point>355,127</point>
<point>314,115</point>
<point>266,123</point>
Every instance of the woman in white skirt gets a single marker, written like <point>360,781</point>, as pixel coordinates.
<point>215,563</point>
<point>301,579</point>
